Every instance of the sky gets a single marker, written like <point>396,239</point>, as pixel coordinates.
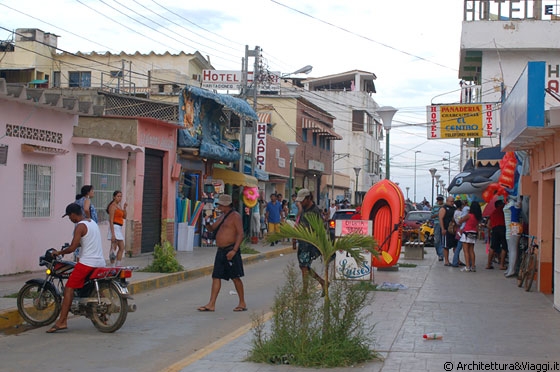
<point>411,46</point>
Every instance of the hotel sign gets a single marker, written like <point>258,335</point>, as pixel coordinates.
<point>461,121</point>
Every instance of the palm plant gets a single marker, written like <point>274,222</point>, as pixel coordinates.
<point>316,234</point>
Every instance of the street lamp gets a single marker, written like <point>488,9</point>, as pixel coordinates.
<point>292,149</point>
<point>386,113</point>
<point>357,170</point>
<point>433,173</point>
<point>415,152</point>
<point>442,189</point>
<point>407,188</point>
<point>437,177</point>
<point>449,166</point>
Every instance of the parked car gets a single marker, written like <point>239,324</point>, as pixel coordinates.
<point>341,214</point>
<point>412,223</point>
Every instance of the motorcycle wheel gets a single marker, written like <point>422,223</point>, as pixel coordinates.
<point>38,306</point>
<point>428,239</point>
<point>110,314</point>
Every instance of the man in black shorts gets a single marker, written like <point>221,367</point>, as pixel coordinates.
<point>307,253</point>
<point>227,263</point>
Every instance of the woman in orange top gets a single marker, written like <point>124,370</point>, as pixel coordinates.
<point>117,215</point>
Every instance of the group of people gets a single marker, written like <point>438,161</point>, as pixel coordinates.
<point>117,214</point>
<point>86,240</point>
<point>457,225</point>
<point>228,229</point>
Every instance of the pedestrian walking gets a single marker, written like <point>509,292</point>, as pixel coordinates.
<point>117,215</point>
<point>227,263</point>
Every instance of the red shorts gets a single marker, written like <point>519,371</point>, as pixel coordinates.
<point>79,275</point>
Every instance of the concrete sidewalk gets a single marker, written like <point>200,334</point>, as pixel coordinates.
<point>484,317</point>
<point>197,263</point>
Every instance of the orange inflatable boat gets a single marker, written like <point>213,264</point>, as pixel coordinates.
<point>384,205</point>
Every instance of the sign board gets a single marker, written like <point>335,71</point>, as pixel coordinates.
<point>461,121</point>
<point>345,227</point>
<point>228,79</point>
<point>345,266</point>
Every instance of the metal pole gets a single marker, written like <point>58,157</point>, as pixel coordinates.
<point>433,173</point>
<point>256,77</point>
<point>289,197</point>
<point>332,185</point>
<point>415,153</point>
<point>387,176</point>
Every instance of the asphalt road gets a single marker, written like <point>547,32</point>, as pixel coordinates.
<point>165,329</point>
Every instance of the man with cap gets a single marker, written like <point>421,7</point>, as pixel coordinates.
<point>228,264</point>
<point>88,237</point>
<point>307,253</point>
<point>437,228</point>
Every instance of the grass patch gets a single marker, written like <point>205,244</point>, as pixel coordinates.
<point>246,247</point>
<point>304,332</point>
<point>13,295</point>
<point>164,260</point>
<point>405,264</point>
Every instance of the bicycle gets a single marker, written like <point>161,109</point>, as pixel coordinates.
<point>528,266</point>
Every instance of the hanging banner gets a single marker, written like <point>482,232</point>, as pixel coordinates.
<point>461,121</point>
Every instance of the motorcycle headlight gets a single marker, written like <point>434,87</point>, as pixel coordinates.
<point>48,271</point>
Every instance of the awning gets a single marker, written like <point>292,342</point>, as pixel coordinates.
<point>234,178</point>
<point>39,81</point>
<point>27,147</point>
<point>106,143</point>
<point>264,117</point>
<point>237,105</point>
<point>320,129</point>
<point>259,174</point>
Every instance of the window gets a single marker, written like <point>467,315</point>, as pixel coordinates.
<point>358,120</point>
<point>322,142</point>
<point>304,135</point>
<point>37,185</point>
<point>328,146</point>
<point>79,79</point>
<point>116,74</point>
<point>314,138</point>
<point>106,177</point>
<point>80,172</point>
<point>56,79</point>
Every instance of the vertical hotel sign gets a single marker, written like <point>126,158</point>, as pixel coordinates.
<point>261,146</point>
<point>461,121</point>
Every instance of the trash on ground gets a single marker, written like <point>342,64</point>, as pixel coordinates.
<point>393,286</point>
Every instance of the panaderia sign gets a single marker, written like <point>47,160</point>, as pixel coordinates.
<point>461,121</point>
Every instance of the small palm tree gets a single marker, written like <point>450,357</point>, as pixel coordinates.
<point>317,235</point>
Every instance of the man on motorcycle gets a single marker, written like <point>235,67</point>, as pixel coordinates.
<point>88,237</point>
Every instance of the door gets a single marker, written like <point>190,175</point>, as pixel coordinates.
<point>151,200</point>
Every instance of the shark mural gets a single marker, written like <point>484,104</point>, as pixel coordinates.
<point>473,181</point>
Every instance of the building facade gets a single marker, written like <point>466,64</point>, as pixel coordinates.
<point>499,41</point>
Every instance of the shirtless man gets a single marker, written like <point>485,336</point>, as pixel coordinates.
<point>228,263</point>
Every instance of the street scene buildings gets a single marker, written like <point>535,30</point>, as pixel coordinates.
<point>152,126</point>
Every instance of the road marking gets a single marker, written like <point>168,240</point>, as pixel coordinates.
<point>199,354</point>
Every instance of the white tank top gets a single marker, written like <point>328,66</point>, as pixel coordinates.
<point>91,251</point>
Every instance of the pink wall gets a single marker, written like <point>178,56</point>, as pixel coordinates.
<point>25,239</point>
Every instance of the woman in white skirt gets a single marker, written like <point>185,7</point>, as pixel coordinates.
<point>468,237</point>
<point>117,215</point>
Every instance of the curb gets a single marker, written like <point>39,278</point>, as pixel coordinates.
<point>10,318</point>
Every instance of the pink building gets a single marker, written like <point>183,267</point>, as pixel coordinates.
<point>49,149</point>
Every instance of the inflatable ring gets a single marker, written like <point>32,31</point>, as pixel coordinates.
<point>249,203</point>
<point>384,205</point>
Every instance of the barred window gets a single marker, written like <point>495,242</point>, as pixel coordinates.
<point>106,177</point>
<point>37,187</point>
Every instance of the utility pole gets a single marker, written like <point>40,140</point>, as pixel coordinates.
<point>336,157</point>
<point>245,94</point>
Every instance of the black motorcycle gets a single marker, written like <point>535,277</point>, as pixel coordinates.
<point>103,299</point>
